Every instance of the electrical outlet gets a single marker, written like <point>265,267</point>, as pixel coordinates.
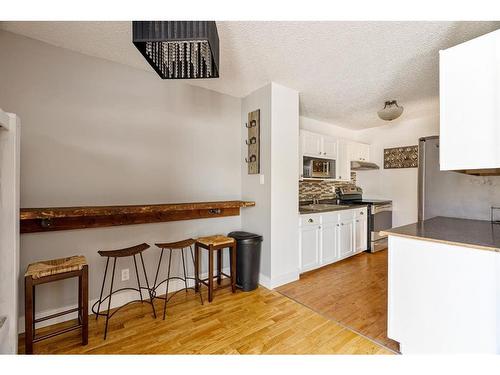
<point>125,274</point>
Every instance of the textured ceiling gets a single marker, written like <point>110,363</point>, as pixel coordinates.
<point>344,71</point>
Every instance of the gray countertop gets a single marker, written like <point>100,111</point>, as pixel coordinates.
<point>478,234</point>
<point>331,209</point>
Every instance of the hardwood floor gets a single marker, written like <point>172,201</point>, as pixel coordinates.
<point>258,322</point>
<point>352,292</point>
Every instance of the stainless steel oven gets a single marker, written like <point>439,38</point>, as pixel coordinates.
<point>379,214</point>
<point>380,219</point>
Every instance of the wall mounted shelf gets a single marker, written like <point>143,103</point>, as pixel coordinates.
<point>66,218</point>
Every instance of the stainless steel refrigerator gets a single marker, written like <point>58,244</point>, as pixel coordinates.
<point>452,194</point>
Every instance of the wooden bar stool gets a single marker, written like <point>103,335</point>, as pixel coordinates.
<point>52,270</point>
<point>115,254</point>
<point>215,244</point>
<point>171,246</point>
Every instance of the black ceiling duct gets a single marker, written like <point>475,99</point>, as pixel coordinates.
<point>179,49</point>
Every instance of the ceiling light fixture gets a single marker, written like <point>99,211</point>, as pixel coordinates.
<point>391,111</point>
<point>179,49</point>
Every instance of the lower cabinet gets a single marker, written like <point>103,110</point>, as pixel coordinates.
<point>332,236</point>
<point>310,246</point>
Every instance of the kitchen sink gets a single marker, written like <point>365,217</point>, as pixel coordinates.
<point>322,207</point>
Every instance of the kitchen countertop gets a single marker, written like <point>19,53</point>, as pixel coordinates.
<point>477,234</point>
<point>332,209</point>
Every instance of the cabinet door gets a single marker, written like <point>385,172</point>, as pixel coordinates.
<point>309,247</point>
<point>469,83</point>
<point>330,146</point>
<point>343,164</point>
<point>311,143</point>
<point>363,152</point>
<point>329,243</point>
<point>346,238</point>
<point>361,232</point>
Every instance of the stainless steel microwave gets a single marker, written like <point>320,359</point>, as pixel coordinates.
<point>318,168</point>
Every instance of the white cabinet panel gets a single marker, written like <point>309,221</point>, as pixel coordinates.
<point>346,238</point>
<point>311,143</point>
<point>361,231</point>
<point>359,151</point>
<point>309,247</point>
<point>469,104</point>
<point>343,164</point>
<point>329,148</point>
<point>329,242</point>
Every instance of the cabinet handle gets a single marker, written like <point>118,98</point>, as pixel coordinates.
<point>338,225</point>
<point>320,152</point>
<point>311,220</point>
<point>361,213</point>
<point>341,223</point>
<point>357,221</point>
<point>324,153</point>
<point>319,227</point>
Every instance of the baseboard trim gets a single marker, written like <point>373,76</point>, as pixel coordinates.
<point>271,283</point>
<point>118,300</point>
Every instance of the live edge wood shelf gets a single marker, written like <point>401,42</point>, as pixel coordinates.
<point>66,218</point>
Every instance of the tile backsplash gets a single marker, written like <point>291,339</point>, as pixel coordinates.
<point>322,189</point>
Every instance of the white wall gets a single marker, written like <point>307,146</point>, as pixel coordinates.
<point>284,185</point>
<point>9,231</point>
<point>276,215</point>
<point>258,219</point>
<point>419,119</point>
<point>99,133</point>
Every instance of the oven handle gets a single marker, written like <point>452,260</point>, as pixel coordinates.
<point>385,208</point>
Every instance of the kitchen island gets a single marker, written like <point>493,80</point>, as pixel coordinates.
<point>444,286</point>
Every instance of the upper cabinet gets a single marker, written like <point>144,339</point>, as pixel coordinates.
<point>359,151</point>
<point>317,145</point>
<point>470,104</point>
<point>343,170</point>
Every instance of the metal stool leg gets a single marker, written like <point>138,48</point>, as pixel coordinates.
<point>102,289</point>
<point>168,282</point>
<point>138,280</point>
<point>157,271</point>
<point>110,294</point>
<point>147,285</point>
<point>184,268</point>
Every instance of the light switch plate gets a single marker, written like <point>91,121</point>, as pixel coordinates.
<point>261,179</point>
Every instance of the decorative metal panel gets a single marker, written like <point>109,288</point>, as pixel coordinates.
<point>253,142</point>
<point>401,157</point>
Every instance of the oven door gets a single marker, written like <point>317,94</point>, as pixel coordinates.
<point>381,216</point>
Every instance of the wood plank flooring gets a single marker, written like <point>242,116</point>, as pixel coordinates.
<point>352,292</point>
<point>258,322</point>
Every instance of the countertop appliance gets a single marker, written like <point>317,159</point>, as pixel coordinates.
<point>452,194</point>
<point>318,168</point>
<point>379,214</point>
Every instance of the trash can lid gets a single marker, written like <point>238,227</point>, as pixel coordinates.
<point>240,235</point>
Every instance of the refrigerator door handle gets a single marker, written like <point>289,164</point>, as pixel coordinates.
<point>421,179</point>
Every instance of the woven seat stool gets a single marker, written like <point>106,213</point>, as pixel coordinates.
<point>48,271</point>
<point>115,254</point>
<point>215,244</point>
<point>179,246</point>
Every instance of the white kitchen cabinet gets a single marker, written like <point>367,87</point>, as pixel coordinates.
<point>329,148</point>
<point>318,145</point>
<point>346,237</point>
<point>331,236</point>
<point>343,164</point>
<point>329,242</point>
<point>469,85</point>
<point>361,226</point>
<point>359,151</point>
<point>311,143</point>
<point>309,245</point>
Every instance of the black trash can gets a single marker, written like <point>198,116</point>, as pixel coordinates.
<point>248,249</point>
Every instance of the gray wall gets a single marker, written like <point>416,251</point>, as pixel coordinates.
<point>99,133</point>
